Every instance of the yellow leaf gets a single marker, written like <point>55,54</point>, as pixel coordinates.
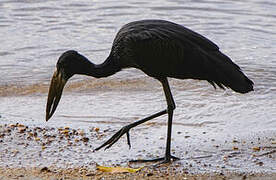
<point>117,169</point>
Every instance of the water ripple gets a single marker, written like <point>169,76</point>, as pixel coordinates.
<point>41,30</point>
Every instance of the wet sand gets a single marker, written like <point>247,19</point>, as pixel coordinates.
<point>54,153</point>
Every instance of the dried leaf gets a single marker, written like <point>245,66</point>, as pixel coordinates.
<point>117,169</point>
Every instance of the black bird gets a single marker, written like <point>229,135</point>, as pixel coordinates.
<point>161,49</point>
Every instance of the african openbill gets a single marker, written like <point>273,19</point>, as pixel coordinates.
<point>161,49</point>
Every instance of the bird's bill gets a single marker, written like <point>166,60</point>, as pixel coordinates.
<point>55,92</point>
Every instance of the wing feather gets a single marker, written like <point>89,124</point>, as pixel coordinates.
<point>165,49</point>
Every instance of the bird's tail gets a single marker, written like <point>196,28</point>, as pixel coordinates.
<point>227,74</point>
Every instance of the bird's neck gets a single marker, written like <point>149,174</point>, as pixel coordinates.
<point>107,68</point>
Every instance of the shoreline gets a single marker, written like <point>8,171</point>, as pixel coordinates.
<point>52,153</point>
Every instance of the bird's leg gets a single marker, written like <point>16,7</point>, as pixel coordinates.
<point>125,130</point>
<point>168,157</point>
<point>171,106</point>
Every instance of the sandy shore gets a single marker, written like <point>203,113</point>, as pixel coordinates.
<point>55,153</point>
<point>148,173</point>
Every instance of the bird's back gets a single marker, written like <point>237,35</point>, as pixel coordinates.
<point>165,49</point>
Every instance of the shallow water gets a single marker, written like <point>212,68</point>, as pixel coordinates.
<point>35,33</point>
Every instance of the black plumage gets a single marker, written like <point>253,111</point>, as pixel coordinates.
<point>161,49</point>
<point>165,49</point>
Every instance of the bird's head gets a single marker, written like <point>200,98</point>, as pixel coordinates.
<point>69,63</point>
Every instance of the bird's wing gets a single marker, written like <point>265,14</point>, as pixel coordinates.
<point>158,40</point>
<point>152,29</point>
<point>165,49</point>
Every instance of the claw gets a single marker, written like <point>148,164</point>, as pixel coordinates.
<point>163,160</point>
<point>115,138</point>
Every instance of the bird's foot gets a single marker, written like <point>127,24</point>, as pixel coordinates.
<point>116,137</point>
<point>163,160</point>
